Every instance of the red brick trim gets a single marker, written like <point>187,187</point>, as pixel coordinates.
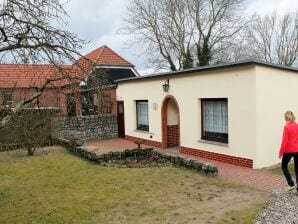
<point>164,118</point>
<point>173,136</point>
<point>218,157</point>
<point>200,153</point>
<point>146,141</point>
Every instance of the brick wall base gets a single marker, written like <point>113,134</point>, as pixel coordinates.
<point>146,142</point>
<point>173,135</point>
<point>218,157</point>
<point>200,153</point>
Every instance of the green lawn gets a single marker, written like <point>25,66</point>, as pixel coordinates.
<point>58,187</point>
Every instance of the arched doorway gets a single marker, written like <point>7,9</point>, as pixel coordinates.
<point>170,123</point>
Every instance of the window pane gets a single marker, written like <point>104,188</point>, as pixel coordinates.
<point>7,98</point>
<point>142,116</point>
<point>215,119</point>
<point>215,116</point>
<point>120,108</point>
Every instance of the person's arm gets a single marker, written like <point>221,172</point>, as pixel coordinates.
<point>284,142</point>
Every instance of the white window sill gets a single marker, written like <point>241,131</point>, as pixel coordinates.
<point>214,143</point>
<point>141,131</point>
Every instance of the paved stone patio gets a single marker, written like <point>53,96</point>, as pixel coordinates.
<point>112,145</point>
<point>260,179</point>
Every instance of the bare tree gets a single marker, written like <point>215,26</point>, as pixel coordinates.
<point>274,38</point>
<point>34,32</point>
<point>164,27</point>
<point>29,128</point>
<point>27,123</point>
<point>176,29</point>
<point>30,33</point>
<point>217,24</point>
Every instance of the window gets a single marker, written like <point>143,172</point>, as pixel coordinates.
<point>71,105</point>
<point>215,120</point>
<point>89,102</point>
<point>7,98</point>
<point>142,115</point>
<point>106,103</point>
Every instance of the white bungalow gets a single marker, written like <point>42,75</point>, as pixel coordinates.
<point>231,112</point>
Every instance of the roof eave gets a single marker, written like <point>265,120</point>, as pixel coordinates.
<point>211,67</point>
<point>114,65</point>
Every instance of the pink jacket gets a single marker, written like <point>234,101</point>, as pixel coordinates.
<point>290,139</point>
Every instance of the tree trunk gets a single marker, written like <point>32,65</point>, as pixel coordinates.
<point>30,151</point>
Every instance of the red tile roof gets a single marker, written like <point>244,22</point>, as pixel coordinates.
<point>32,75</point>
<point>29,75</point>
<point>106,56</point>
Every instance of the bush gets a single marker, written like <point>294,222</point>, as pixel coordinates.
<point>30,128</point>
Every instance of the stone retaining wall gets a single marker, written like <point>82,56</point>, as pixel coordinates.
<point>97,156</point>
<point>94,127</point>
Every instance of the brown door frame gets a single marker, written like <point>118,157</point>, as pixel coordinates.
<point>164,121</point>
<point>120,120</point>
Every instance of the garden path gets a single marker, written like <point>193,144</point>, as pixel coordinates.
<point>259,179</point>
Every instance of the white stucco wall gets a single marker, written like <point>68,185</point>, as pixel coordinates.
<point>237,84</point>
<point>277,92</point>
<point>172,113</point>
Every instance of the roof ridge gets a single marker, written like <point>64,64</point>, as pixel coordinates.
<point>104,55</point>
<point>119,55</point>
<point>100,52</point>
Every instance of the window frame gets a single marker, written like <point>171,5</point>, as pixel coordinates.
<point>139,128</point>
<point>5,101</point>
<point>87,103</point>
<point>225,137</point>
<point>71,106</point>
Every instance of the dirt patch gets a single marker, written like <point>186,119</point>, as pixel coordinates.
<point>9,157</point>
<point>193,200</point>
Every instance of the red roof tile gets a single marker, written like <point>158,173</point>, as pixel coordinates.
<point>106,56</point>
<point>30,75</point>
<point>103,56</point>
<point>33,75</point>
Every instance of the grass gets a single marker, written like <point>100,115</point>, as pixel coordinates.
<point>243,216</point>
<point>277,169</point>
<point>57,187</point>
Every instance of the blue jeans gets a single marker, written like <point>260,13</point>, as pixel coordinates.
<point>284,165</point>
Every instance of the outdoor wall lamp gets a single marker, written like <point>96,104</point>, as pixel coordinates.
<point>166,86</point>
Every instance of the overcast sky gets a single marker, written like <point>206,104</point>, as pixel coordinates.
<point>99,21</point>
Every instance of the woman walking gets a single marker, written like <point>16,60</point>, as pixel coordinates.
<point>289,148</point>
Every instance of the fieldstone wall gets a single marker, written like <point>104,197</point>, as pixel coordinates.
<point>93,127</point>
<point>103,158</point>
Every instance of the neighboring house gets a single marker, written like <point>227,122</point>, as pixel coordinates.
<point>231,112</point>
<point>108,66</point>
<point>19,81</point>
